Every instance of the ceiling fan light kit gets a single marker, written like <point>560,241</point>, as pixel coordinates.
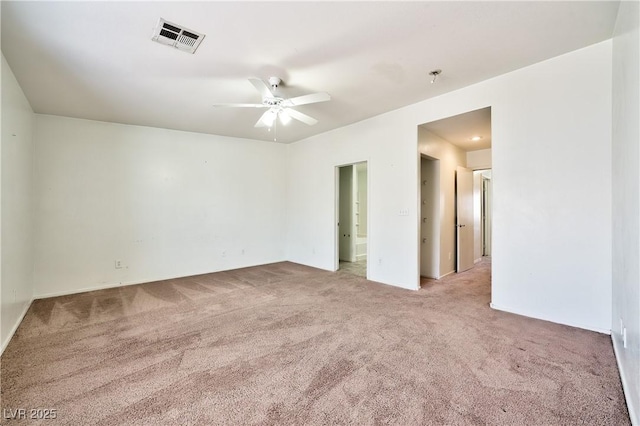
<point>279,106</point>
<point>285,118</point>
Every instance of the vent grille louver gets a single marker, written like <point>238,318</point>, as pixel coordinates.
<point>168,34</point>
<point>174,35</point>
<point>171,27</point>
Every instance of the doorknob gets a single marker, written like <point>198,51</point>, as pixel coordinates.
<point>424,240</point>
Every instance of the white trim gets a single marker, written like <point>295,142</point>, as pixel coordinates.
<point>570,324</point>
<point>147,280</point>
<point>101,287</point>
<point>15,326</point>
<point>428,277</point>
<point>634,413</point>
<point>448,273</point>
<point>478,260</point>
<point>395,285</point>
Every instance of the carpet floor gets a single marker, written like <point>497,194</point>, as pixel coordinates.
<point>289,344</point>
<point>358,267</point>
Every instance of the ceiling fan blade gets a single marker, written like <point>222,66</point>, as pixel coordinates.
<point>260,85</point>
<point>301,117</point>
<point>266,119</point>
<point>240,105</point>
<point>308,99</point>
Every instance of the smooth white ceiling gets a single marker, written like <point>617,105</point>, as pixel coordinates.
<point>459,129</point>
<point>96,60</point>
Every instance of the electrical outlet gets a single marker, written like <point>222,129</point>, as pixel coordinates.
<point>449,255</point>
<point>224,253</point>
<point>404,212</point>
<point>118,264</point>
<point>380,261</point>
<point>242,251</point>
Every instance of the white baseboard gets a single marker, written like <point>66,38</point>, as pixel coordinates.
<point>448,273</point>
<point>361,257</point>
<point>143,281</point>
<point>403,287</point>
<point>428,277</point>
<point>555,321</point>
<point>15,326</point>
<point>100,287</point>
<point>632,403</point>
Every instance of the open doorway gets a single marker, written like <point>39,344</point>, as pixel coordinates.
<point>429,217</point>
<point>482,196</point>
<point>352,218</point>
<point>455,193</point>
<point>486,197</point>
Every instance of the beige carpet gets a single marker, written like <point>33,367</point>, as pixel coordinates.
<point>358,267</point>
<point>288,344</point>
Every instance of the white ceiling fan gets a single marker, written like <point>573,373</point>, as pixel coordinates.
<point>279,106</point>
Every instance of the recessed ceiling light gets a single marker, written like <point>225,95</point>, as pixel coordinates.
<point>475,138</point>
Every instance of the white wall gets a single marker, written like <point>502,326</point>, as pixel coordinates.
<point>311,197</point>
<point>166,203</point>
<point>17,205</point>
<point>626,200</point>
<point>480,159</point>
<point>450,157</point>
<point>550,259</point>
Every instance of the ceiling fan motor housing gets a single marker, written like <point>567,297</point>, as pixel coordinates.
<point>274,82</point>
<point>272,101</point>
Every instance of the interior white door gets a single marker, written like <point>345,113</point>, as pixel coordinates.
<point>464,219</point>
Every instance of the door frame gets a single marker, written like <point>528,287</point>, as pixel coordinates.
<point>336,212</point>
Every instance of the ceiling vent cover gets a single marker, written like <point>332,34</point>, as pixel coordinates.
<point>176,36</point>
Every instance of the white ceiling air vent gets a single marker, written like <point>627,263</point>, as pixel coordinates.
<point>176,36</point>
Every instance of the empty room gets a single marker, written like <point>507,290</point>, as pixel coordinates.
<point>320,212</point>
